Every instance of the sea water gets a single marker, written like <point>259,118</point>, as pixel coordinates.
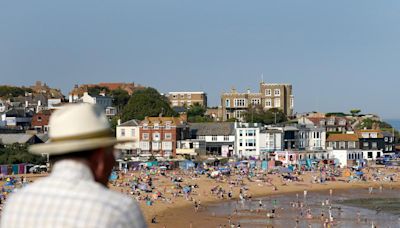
<point>349,208</point>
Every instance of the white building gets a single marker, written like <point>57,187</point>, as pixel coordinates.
<point>346,157</point>
<point>129,131</point>
<point>247,140</point>
<point>218,138</point>
<point>103,101</point>
<point>271,140</point>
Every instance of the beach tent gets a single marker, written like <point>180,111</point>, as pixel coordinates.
<point>187,164</point>
<point>152,163</point>
<point>113,176</point>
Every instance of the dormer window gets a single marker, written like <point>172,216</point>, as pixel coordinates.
<point>145,126</point>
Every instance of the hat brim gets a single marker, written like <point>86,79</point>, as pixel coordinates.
<point>72,146</point>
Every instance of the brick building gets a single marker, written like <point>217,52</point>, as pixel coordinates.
<point>182,99</point>
<point>235,104</point>
<point>159,135</point>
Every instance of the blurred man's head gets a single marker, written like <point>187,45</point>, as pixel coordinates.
<point>81,132</point>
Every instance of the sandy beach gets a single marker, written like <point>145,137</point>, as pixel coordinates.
<point>181,212</point>
<point>175,210</point>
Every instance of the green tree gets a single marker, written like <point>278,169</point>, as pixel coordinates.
<point>355,112</point>
<point>96,90</point>
<point>196,113</point>
<point>12,91</point>
<point>120,98</point>
<point>257,114</point>
<point>146,102</point>
<point>17,153</point>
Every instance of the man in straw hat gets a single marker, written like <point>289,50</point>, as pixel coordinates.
<point>75,194</point>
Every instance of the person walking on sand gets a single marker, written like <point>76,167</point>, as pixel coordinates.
<point>75,194</point>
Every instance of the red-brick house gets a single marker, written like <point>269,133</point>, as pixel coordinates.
<point>159,135</point>
<point>40,121</point>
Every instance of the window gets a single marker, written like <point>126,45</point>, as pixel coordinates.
<point>365,144</point>
<point>240,132</point>
<point>255,101</point>
<point>189,96</point>
<point>145,127</point>
<point>250,132</point>
<point>374,145</point>
<point>226,138</point>
<point>167,145</point>
<point>386,139</point>
<point>250,142</point>
<point>277,92</point>
<point>156,126</point>
<point>240,102</point>
<point>268,103</point>
<point>182,96</point>
<point>342,145</point>
<point>277,102</point>
<point>174,96</point>
<point>240,142</point>
<point>268,92</point>
<point>39,118</point>
<point>145,136</point>
<point>168,136</point>
<point>291,102</point>
<point>133,132</point>
<point>214,138</point>
<point>352,145</point>
<point>168,125</point>
<point>369,154</point>
<point>239,113</point>
<point>227,103</point>
<point>156,136</point>
<point>122,132</point>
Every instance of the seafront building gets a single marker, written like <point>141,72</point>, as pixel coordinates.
<point>186,99</point>
<point>234,104</point>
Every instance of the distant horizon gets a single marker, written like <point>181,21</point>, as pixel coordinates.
<point>338,55</point>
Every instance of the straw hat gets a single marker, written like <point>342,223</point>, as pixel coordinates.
<point>75,128</point>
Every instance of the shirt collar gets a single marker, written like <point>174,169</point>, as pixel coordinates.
<point>70,169</point>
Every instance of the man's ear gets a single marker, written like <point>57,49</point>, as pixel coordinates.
<point>97,163</point>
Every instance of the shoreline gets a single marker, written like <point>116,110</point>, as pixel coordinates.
<point>183,215</point>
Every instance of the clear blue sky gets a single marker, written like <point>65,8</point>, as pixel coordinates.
<point>337,54</point>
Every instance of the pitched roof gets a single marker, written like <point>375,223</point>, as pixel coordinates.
<point>130,123</point>
<point>342,137</point>
<point>162,120</point>
<point>15,138</point>
<point>214,128</point>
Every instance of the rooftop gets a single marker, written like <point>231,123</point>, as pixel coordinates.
<point>342,137</point>
<point>214,128</point>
